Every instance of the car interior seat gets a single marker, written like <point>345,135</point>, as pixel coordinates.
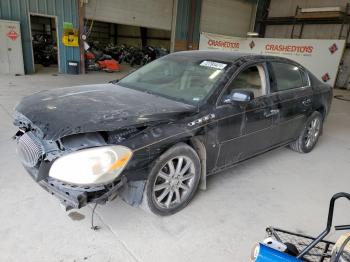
<point>252,79</point>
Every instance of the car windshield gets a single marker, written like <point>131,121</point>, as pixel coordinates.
<point>181,78</point>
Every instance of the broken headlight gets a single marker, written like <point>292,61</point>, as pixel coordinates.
<point>100,165</point>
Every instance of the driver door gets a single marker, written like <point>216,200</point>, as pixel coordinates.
<point>245,128</point>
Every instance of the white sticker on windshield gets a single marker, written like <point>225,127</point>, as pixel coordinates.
<point>213,64</point>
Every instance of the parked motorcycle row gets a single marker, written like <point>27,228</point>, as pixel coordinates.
<point>109,58</point>
<point>45,50</point>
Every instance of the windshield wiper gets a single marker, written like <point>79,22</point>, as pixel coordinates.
<point>115,81</point>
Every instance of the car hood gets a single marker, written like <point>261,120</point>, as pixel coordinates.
<point>105,107</point>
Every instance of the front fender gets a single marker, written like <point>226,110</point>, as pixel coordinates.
<point>149,144</point>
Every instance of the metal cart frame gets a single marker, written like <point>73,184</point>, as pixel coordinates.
<point>313,249</point>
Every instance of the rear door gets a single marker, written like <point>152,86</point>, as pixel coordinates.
<point>291,94</point>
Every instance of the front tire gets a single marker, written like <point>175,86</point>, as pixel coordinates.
<point>173,180</point>
<point>309,135</point>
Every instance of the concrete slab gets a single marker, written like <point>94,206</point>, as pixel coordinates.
<point>280,188</point>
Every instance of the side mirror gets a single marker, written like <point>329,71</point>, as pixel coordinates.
<point>242,96</point>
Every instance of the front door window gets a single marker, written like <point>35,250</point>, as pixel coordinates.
<point>251,79</point>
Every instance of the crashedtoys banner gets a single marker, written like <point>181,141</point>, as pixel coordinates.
<point>321,57</point>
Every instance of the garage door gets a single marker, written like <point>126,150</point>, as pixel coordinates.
<point>147,13</point>
<point>227,17</point>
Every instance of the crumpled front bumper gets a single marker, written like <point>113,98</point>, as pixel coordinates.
<point>33,154</point>
<point>75,197</point>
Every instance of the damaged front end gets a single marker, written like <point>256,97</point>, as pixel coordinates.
<point>38,157</point>
<point>75,197</point>
<point>88,144</point>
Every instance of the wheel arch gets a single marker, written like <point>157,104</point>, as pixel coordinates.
<point>197,144</point>
<point>322,110</point>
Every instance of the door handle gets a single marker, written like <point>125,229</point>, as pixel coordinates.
<point>272,112</point>
<point>307,102</point>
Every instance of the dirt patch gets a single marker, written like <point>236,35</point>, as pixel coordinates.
<point>76,216</point>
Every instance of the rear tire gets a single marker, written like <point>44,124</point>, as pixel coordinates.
<point>309,135</point>
<point>173,181</point>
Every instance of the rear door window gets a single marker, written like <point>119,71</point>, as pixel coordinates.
<point>287,76</point>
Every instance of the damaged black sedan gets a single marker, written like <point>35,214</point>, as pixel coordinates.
<point>154,136</point>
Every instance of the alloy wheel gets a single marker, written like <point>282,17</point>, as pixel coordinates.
<point>313,130</point>
<point>174,182</point>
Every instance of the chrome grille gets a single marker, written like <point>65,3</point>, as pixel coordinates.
<point>29,149</point>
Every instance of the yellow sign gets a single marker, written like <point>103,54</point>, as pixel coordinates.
<point>70,40</point>
<point>70,35</point>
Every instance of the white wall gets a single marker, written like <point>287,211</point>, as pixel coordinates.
<point>282,8</point>
<point>281,31</point>
<point>227,17</point>
<point>314,31</point>
<point>147,13</point>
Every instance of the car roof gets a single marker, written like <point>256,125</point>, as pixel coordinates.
<point>231,56</point>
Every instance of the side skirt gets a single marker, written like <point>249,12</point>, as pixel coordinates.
<point>220,169</point>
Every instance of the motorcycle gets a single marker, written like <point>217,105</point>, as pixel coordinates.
<point>110,57</point>
<point>134,56</point>
<point>96,60</point>
<point>45,51</point>
<point>149,54</point>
